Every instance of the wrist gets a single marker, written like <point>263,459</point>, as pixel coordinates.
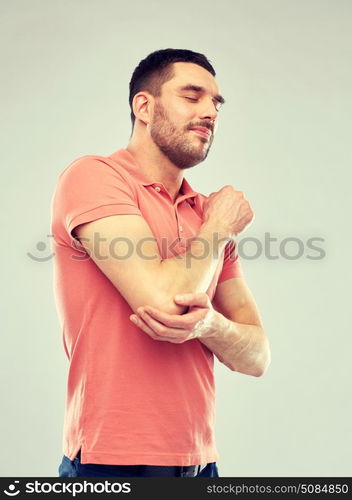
<point>216,326</point>
<point>216,232</point>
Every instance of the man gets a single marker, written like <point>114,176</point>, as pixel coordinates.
<point>148,286</point>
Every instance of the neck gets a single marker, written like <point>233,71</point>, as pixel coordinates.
<point>155,164</point>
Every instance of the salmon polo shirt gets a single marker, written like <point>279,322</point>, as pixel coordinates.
<point>130,399</point>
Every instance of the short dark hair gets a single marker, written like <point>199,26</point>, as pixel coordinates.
<point>156,69</point>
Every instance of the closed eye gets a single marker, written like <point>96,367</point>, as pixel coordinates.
<point>217,104</point>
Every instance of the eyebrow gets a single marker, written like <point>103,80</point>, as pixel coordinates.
<point>197,88</point>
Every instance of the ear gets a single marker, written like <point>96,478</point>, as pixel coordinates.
<point>142,106</point>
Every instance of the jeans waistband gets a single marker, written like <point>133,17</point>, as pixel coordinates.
<point>167,470</point>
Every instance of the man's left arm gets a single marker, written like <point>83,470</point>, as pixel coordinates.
<point>230,327</point>
<point>238,339</point>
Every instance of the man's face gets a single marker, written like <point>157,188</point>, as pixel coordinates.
<point>184,118</point>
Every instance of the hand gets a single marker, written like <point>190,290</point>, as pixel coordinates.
<point>198,321</point>
<point>228,211</point>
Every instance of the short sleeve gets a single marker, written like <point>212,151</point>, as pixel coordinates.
<point>231,267</point>
<point>90,189</point>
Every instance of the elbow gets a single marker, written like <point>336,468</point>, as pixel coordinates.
<point>256,370</point>
<point>263,363</point>
<point>169,306</point>
<point>257,367</point>
<point>260,370</point>
<point>158,301</point>
<point>166,304</point>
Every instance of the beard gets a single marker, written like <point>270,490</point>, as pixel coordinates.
<point>176,144</point>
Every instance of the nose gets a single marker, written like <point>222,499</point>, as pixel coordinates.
<point>208,111</point>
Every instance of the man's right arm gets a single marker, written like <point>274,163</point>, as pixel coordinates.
<point>143,277</point>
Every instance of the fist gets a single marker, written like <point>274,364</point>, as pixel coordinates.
<point>227,211</point>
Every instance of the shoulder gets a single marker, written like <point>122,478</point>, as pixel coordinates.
<point>90,169</point>
<point>89,162</point>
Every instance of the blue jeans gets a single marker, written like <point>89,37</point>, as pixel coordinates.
<point>74,468</point>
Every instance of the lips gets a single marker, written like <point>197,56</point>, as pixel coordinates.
<point>203,131</point>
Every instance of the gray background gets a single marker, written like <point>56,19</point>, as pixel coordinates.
<point>284,69</point>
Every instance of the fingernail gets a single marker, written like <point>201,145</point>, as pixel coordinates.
<point>133,319</point>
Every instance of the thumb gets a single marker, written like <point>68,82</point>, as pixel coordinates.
<point>193,299</point>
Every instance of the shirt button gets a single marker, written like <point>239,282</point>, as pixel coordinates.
<point>157,189</point>
<point>180,228</point>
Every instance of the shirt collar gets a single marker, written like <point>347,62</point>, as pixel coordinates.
<point>125,158</point>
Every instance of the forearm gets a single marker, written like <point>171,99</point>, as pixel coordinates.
<point>192,271</point>
<point>242,348</point>
<point>225,214</point>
